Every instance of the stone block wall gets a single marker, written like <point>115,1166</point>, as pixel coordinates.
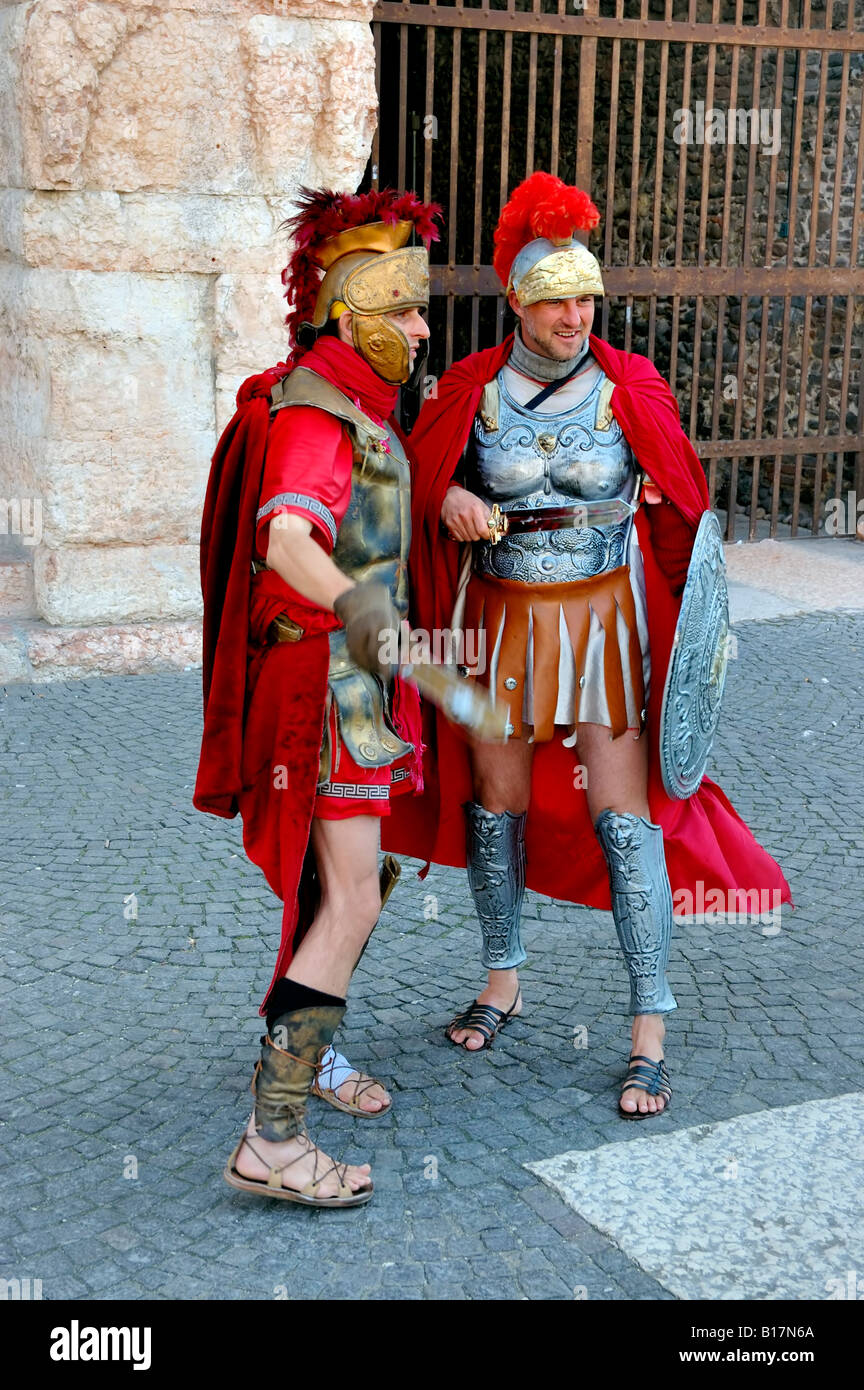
<point>150,152</point>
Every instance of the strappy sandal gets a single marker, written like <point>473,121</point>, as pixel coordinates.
<point>362,1084</point>
<point>485,1019</point>
<point>653,1078</point>
<point>272,1186</point>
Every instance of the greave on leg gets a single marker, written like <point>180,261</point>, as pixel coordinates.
<point>641,905</point>
<point>284,1075</point>
<point>496,876</point>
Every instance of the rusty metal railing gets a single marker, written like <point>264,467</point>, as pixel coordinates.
<point>720,263</point>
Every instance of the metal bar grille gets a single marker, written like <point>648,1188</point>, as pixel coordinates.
<point>720,262</point>
<point>588,25</point>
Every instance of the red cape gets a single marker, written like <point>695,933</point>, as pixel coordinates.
<point>227,537</point>
<point>705,839</point>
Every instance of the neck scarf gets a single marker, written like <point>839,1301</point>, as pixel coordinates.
<point>344,368</point>
<point>542,368</point>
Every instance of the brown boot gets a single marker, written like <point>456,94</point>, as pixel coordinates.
<point>283,1079</point>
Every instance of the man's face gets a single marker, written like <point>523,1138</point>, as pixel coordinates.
<point>413,325</point>
<point>555,328</point>
<point>411,322</point>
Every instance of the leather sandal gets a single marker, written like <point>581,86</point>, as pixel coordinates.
<point>484,1019</point>
<point>361,1082</point>
<point>651,1077</point>
<point>272,1186</point>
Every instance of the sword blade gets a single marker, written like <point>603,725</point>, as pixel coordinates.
<point>580,517</point>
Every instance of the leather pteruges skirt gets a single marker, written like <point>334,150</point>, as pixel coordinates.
<point>523,632</point>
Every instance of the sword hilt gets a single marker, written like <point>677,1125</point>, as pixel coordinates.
<point>498,524</point>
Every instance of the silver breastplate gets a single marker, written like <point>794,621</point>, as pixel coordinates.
<point>375,535</point>
<point>551,460</point>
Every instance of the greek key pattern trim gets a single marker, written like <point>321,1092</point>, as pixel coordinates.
<point>362,791</point>
<point>298,499</point>
<point>355,791</point>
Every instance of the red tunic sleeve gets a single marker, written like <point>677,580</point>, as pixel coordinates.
<point>307,471</point>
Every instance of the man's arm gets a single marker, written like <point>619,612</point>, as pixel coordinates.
<point>301,562</point>
<point>366,610</point>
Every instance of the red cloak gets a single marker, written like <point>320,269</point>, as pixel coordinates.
<point>705,839</point>
<point>264,702</point>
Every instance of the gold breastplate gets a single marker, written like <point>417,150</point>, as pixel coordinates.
<point>373,542</point>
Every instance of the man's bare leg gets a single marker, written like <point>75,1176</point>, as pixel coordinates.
<point>346,855</point>
<point>351,903</point>
<point>502,782</point>
<point>616,778</point>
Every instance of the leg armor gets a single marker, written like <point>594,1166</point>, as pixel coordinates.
<point>496,875</point>
<point>286,1070</point>
<point>641,906</point>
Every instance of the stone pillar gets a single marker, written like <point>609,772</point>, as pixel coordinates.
<point>151,152</point>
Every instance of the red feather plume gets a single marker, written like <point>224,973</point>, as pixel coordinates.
<point>322,214</point>
<point>542,206</point>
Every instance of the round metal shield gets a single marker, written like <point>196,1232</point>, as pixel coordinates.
<point>697,666</point>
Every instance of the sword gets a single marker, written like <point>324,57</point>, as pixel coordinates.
<point>464,702</point>
<point>582,516</point>
<point>388,877</point>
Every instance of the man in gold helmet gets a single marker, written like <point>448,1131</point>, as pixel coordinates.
<point>304,562</point>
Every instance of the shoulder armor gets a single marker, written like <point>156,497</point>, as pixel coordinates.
<point>489,406</point>
<point>604,406</point>
<point>305,387</point>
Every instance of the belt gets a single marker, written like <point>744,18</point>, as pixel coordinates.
<point>282,628</point>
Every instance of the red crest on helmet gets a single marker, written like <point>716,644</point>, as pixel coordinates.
<point>542,206</point>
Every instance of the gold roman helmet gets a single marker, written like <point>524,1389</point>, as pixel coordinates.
<point>371,271</point>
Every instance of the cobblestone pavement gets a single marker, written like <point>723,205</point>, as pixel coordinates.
<point>128,1040</point>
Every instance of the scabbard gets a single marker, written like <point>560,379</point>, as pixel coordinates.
<point>388,876</point>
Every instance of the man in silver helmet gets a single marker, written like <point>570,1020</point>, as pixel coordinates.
<point>560,500</point>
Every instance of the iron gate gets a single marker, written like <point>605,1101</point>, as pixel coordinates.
<point>701,129</point>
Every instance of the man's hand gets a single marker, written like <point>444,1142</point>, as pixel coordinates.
<point>464,516</point>
<point>367,610</point>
